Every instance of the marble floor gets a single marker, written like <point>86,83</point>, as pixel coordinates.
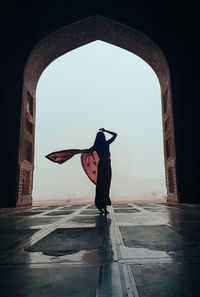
<point>137,250</point>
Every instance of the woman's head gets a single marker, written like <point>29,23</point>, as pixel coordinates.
<point>100,139</point>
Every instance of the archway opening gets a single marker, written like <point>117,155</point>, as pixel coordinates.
<point>66,40</point>
<point>98,85</point>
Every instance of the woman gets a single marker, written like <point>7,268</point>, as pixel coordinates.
<point>101,146</point>
<point>102,176</point>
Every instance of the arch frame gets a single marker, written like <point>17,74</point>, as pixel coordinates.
<point>65,40</point>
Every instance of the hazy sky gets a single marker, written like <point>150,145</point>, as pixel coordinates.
<point>99,85</point>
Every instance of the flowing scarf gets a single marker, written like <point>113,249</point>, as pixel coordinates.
<point>89,161</point>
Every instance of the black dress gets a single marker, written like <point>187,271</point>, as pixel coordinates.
<point>103,177</point>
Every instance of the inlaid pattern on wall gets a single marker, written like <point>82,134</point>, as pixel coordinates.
<point>171,180</point>
<point>27,150</point>
<point>29,104</point>
<point>168,150</point>
<point>165,101</point>
<point>25,182</point>
<point>167,125</point>
<point>29,126</point>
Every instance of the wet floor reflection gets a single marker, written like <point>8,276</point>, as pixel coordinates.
<point>159,243</point>
<point>66,241</point>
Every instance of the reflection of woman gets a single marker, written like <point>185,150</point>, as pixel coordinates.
<point>101,146</point>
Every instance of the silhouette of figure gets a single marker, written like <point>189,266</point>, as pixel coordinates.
<point>96,164</point>
<point>104,173</point>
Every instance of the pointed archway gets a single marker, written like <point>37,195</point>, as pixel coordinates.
<point>69,38</point>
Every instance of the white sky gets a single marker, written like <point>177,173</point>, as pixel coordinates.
<point>99,85</point>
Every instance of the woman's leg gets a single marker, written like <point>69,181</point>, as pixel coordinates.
<point>98,197</point>
<point>103,186</point>
<point>105,210</point>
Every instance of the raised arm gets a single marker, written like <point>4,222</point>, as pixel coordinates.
<point>114,135</point>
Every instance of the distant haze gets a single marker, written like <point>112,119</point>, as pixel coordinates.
<point>99,85</point>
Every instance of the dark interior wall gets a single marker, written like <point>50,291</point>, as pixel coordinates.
<point>172,27</point>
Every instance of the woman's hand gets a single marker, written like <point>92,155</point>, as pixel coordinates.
<point>114,135</point>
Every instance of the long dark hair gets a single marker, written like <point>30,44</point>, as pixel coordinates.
<point>100,140</point>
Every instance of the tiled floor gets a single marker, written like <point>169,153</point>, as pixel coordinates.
<point>138,250</point>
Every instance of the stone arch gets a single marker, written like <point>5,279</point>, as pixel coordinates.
<point>67,39</point>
